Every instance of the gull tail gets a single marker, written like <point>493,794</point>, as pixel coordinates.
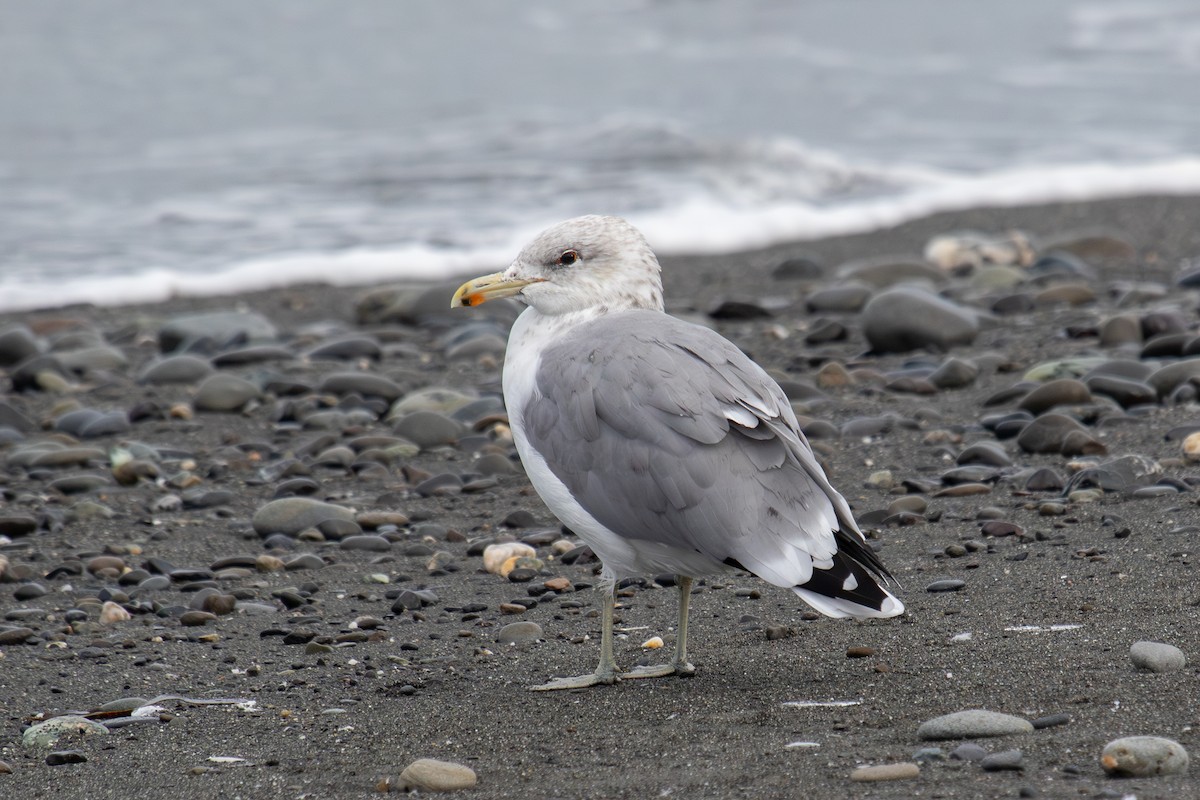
<point>853,586</point>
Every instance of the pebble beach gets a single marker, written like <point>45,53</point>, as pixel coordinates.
<point>280,544</point>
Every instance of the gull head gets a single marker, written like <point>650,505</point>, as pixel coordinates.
<point>588,263</point>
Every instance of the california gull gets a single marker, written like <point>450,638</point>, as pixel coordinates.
<point>659,442</point>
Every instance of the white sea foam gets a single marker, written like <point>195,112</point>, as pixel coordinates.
<point>697,225</point>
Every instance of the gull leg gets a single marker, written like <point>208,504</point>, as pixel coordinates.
<point>679,666</point>
<point>606,670</point>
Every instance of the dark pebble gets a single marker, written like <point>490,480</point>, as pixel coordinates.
<point>946,585</point>
<point>968,751</point>
<point>60,757</point>
<point>1002,761</point>
<point>1051,721</point>
<point>30,591</point>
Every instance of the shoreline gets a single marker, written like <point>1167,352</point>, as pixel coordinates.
<point>1159,226</point>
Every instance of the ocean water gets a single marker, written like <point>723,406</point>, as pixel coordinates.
<point>149,149</point>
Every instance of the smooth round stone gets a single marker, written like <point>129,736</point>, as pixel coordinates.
<point>14,525</point>
<point>223,392</point>
<point>847,298</point>
<point>347,347</point>
<point>954,373</point>
<point>47,734</point>
<point>1125,391</point>
<point>907,318</point>
<point>1044,479</point>
<point>946,585</point>
<point>1051,721</point>
<point>97,357</point>
<point>252,354</point>
<point>484,343</point>
<point>366,384</point>
<point>291,515</point>
<point>886,772</point>
<point>219,327</point>
<point>428,429</point>
<point>11,636</point>
<point>886,271</point>
<point>17,343</point>
<point>1047,433</point>
<point>1121,329</point>
<point>1070,294</point>
<point>988,453</point>
<point>1166,378</point>
<point>195,619</point>
<point>58,758</point>
<point>30,591</point>
<point>1002,761</point>
<point>446,483</point>
<point>519,632</point>
<point>797,268</point>
<point>366,541</point>
<point>1061,392</point>
<point>304,561</point>
<point>1157,656</point>
<point>968,751</point>
<point>973,724</point>
<point>175,369</point>
<point>912,503</point>
<point>432,398</point>
<point>437,776</point>
<point>155,583</point>
<point>220,604</point>
<point>1143,757</point>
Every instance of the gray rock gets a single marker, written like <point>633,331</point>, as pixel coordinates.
<point>366,541</point>
<point>907,318</point>
<point>252,354</point>
<point>973,724</point>
<point>954,373</point>
<point>518,632</point>
<point>1166,378</point>
<point>428,429</point>
<point>175,369</point>
<point>1143,757</point>
<point>1125,391</point>
<point>885,271</point>
<point>291,515</point>
<point>968,751</point>
<point>223,392</point>
<point>17,343</point>
<point>11,636</point>
<point>1121,329</point>
<point>219,328</point>
<point>1004,760</point>
<point>1048,433</point>
<point>1062,392</point>
<point>366,384</point>
<point>1157,656</point>
<point>98,357</point>
<point>846,298</point>
<point>946,585</point>
<point>352,346</point>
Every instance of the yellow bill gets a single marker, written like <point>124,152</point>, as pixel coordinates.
<point>489,287</point>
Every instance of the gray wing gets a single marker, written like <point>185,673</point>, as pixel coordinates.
<point>666,431</point>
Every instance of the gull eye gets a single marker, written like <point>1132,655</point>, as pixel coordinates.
<point>568,258</point>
